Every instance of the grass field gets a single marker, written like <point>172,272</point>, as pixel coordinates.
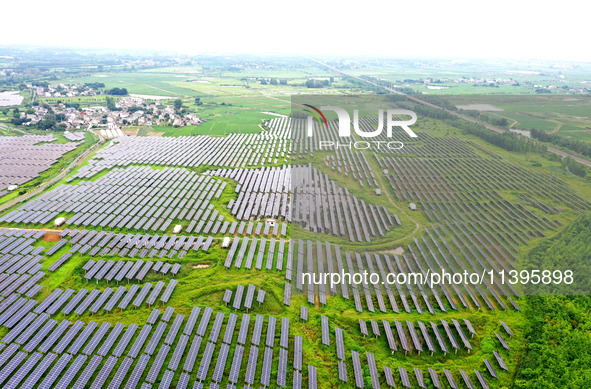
<point>568,116</point>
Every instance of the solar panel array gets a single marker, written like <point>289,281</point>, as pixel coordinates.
<point>23,158</point>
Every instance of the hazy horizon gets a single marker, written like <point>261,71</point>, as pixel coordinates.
<point>427,30</point>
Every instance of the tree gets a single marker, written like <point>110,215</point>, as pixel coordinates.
<point>117,91</point>
<point>198,101</point>
<point>178,104</point>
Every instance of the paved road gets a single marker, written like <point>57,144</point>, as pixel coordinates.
<point>457,114</point>
<point>57,178</point>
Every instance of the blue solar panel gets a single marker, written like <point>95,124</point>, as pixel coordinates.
<point>140,340</point>
<point>122,345</point>
<point>188,330</point>
<point>55,372</point>
<point>193,351</point>
<point>151,347</point>
<point>178,352</point>
<point>252,365</point>
<point>157,364</point>
<point>205,361</point>
<point>71,372</point>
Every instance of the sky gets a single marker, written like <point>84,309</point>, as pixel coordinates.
<point>451,29</point>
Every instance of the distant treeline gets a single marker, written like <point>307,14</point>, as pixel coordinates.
<point>507,141</point>
<point>559,140</point>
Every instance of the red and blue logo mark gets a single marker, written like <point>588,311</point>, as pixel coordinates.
<point>315,113</point>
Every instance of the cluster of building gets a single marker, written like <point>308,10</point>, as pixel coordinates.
<point>130,111</point>
<point>63,90</point>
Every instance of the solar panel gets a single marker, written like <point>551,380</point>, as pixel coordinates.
<point>31,328</point>
<point>221,363</point>
<point>20,374</point>
<point>481,379</point>
<point>121,373</point>
<point>155,339</point>
<point>500,361</point>
<point>178,352</point>
<point>466,379</point>
<point>87,372</point>
<point>249,296</point>
<point>297,380</point>
<point>373,371</point>
<point>97,338</point>
<point>204,321</point>
<point>122,345</point>
<point>139,341</point>
<point>153,316</point>
<point>363,327</point>
<point>420,378</point>
<point>251,366</point>
<point>243,329</point>
<point>229,333</point>
<point>205,361</point>
<point>282,368</point>
<point>506,328</point>
<point>176,326</point>
<point>284,341</point>
<point>326,330</point>
<point>193,351</point>
<point>502,341</point>
<point>183,381</point>
<point>167,314</point>
<point>236,364</point>
<point>138,371</point>
<point>304,313</point>
<point>261,296</point>
<point>357,369</point>
<point>414,337</point>
<point>71,372</point>
<point>87,301</point>
<point>439,338</point>
<point>404,377</point>
<point>188,330</point>
<point>168,292</point>
<point>39,336</point>
<point>217,327</point>
<point>238,297</point>
<point>450,379</point>
<point>312,384</point>
<point>157,364</point>
<point>297,354</point>
<point>106,347</point>
<point>102,376</point>
<point>142,295</point>
<point>434,379</point>
<point>55,372</point>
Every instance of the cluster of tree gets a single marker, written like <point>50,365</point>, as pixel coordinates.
<point>558,330</point>
<point>558,140</point>
<point>95,85</point>
<point>52,122</point>
<point>111,104</point>
<point>317,83</point>
<point>574,167</point>
<point>178,104</point>
<point>494,120</point>
<point>73,105</point>
<point>117,91</point>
